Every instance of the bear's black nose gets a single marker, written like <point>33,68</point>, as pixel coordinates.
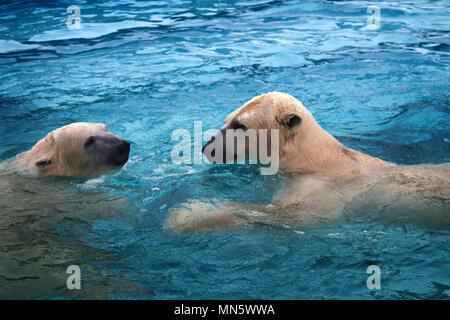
<point>124,147</point>
<point>207,144</point>
<point>120,153</point>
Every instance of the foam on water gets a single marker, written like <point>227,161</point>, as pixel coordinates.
<point>89,30</point>
<point>7,46</point>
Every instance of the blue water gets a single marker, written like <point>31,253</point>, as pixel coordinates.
<point>148,68</point>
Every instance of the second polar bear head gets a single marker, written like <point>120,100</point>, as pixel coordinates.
<point>298,146</point>
<point>79,149</point>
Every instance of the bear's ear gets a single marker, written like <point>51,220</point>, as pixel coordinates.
<point>50,138</point>
<point>43,163</point>
<point>291,121</point>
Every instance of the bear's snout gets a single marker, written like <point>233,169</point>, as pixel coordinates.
<point>113,149</point>
<point>207,144</point>
<point>217,142</point>
<point>124,147</point>
<point>120,153</point>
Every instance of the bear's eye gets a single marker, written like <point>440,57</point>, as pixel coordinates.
<point>235,125</point>
<point>292,121</point>
<point>43,163</point>
<point>90,141</point>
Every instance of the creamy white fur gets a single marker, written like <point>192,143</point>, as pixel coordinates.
<point>327,180</point>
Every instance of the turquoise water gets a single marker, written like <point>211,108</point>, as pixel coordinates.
<point>148,68</point>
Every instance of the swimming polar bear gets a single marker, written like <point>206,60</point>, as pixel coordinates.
<point>78,150</point>
<point>44,189</point>
<point>29,185</point>
<point>326,178</point>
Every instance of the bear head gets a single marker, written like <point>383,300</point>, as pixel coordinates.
<point>301,144</point>
<point>79,149</point>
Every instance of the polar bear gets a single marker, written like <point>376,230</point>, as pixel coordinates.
<point>326,179</point>
<point>45,188</point>
<point>29,182</point>
<point>79,150</point>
